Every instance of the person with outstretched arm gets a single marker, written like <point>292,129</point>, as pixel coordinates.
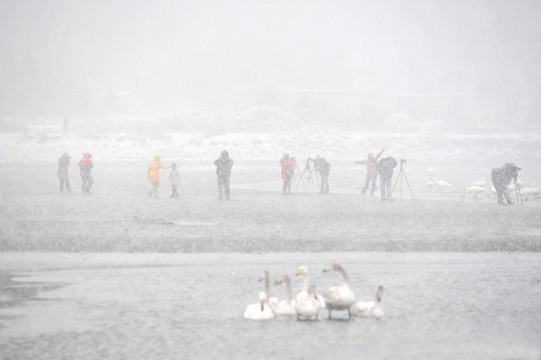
<point>371,172</point>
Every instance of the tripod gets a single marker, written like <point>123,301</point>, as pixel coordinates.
<point>402,175</point>
<point>312,173</point>
<point>298,173</point>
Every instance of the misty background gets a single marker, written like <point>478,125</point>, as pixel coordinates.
<point>360,65</point>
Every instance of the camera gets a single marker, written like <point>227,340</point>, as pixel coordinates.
<point>514,171</point>
<point>511,169</point>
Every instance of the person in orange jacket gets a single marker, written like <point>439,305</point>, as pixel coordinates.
<point>154,175</point>
<point>371,172</point>
<point>86,165</point>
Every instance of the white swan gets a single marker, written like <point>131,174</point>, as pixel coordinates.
<point>271,301</point>
<point>307,303</point>
<point>474,190</point>
<point>339,297</point>
<point>259,311</point>
<point>285,307</point>
<point>369,308</point>
<point>441,184</point>
<point>530,191</point>
<point>481,182</point>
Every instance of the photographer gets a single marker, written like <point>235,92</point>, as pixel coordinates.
<point>288,171</point>
<point>501,178</point>
<point>223,172</point>
<point>324,168</point>
<point>385,169</point>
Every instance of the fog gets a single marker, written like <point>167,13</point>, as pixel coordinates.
<point>127,261</point>
<point>356,62</point>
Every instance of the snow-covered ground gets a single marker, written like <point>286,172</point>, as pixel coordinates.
<point>258,134</point>
<point>258,137</point>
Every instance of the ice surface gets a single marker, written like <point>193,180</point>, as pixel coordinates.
<point>437,305</point>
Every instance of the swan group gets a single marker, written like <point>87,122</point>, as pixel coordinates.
<point>307,303</point>
<point>481,187</point>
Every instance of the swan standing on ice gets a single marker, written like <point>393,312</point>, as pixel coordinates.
<point>307,303</point>
<point>285,307</point>
<point>472,189</point>
<point>259,311</point>
<point>339,297</point>
<point>530,191</point>
<point>477,183</point>
<point>369,308</point>
<point>441,184</point>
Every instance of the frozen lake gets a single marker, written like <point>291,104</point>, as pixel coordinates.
<point>117,305</point>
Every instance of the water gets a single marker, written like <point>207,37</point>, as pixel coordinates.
<point>145,306</point>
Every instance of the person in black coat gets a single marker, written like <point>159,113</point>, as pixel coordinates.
<point>223,172</point>
<point>63,172</point>
<point>385,169</point>
<point>501,178</point>
<point>324,168</point>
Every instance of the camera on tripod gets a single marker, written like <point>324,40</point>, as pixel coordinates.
<point>307,166</point>
<point>402,175</point>
<point>512,170</point>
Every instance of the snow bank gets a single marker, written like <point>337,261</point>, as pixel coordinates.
<point>258,134</point>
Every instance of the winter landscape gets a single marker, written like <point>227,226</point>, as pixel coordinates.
<point>117,274</point>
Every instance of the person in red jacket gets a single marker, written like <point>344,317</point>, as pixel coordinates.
<point>371,172</point>
<point>86,165</point>
<point>288,171</point>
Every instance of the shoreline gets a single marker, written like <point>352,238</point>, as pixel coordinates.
<point>264,222</point>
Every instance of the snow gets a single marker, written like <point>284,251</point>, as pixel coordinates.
<point>258,134</point>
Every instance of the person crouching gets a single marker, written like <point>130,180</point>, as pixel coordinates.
<point>501,178</point>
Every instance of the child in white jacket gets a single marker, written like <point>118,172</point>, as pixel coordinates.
<point>174,179</point>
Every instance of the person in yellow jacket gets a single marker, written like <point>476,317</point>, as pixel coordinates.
<point>154,175</point>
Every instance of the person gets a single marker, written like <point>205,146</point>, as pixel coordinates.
<point>371,172</point>
<point>385,169</point>
<point>174,179</point>
<point>153,176</point>
<point>63,172</point>
<point>288,171</point>
<point>324,168</point>
<point>223,173</point>
<point>85,166</point>
<point>501,178</point>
